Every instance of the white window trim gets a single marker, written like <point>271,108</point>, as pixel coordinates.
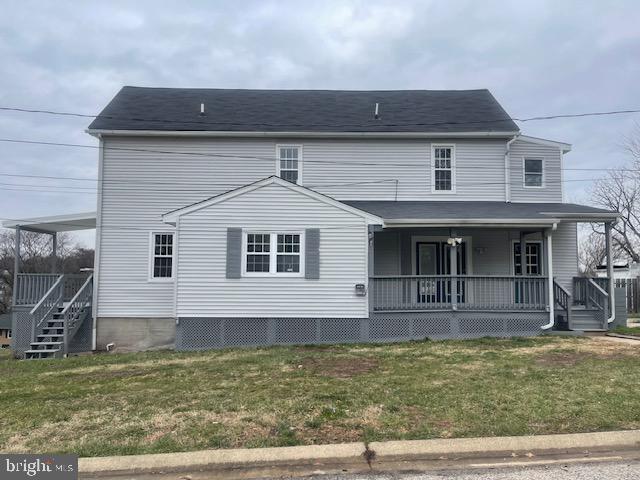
<point>543,266</point>
<point>151,278</point>
<point>524,172</point>
<point>452,146</point>
<point>300,159</point>
<point>273,253</point>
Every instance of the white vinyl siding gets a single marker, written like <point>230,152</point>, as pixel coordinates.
<point>565,254</point>
<point>551,189</point>
<point>204,290</point>
<point>140,186</point>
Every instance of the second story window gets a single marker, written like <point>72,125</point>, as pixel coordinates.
<point>533,172</point>
<point>289,163</point>
<point>443,172</point>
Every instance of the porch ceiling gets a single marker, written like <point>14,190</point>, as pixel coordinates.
<point>481,213</point>
<point>55,223</point>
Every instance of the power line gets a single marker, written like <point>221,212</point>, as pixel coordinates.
<point>372,121</point>
<point>227,156</point>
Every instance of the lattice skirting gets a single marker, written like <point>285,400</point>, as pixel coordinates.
<point>205,333</point>
<point>21,333</point>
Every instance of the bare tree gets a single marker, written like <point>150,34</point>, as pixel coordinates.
<point>620,191</point>
<point>592,253</point>
<point>36,257</point>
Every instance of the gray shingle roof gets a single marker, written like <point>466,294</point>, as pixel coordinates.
<point>178,109</point>
<point>465,210</point>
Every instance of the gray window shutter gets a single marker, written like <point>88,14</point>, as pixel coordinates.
<point>234,252</point>
<point>312,253</point>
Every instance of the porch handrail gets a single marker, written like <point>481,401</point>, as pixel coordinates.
<point>461,276</point>
<point>602,291</point>
<point>31,287</point>
<point>49,301</point>
<point>72,312</point>
<point>563,298</point>
<point>459,292</point>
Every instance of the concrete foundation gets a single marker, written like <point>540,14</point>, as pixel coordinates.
<point>130,334</point>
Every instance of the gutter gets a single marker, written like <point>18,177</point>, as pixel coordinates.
<point>279,134</point>
<point>507,169</point>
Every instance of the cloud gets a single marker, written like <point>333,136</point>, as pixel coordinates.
<point>536,57</point>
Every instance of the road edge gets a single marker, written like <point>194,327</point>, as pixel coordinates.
<point>361,454</point>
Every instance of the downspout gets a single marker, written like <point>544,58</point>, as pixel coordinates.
<point>612,299</point>
<point>507,169</point>
<point>550,276</point>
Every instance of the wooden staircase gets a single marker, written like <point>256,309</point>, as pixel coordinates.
<point>586,309</point>
<point>49,343</point>
<point>55,322</point>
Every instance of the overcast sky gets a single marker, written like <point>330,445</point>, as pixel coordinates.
<point>538,58</point>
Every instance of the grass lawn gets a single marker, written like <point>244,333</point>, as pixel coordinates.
<point>634,331</point>
<point>170,401</point>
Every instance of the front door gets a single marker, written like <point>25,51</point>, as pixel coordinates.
<point>432,259</point>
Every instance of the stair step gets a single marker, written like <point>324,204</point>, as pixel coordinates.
<point>45,343</point>
<point>51,335</point>
<point>47,353</point>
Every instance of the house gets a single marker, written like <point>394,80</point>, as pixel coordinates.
<point>258,217</point>
<point>5,330</point>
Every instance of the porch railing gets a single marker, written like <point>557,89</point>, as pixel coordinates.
<point>564,300</point>
<point>74,313</point>
<point>32,287</point>
<point>472,292</point>
<point>590,292</point>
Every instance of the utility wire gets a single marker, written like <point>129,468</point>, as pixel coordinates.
<point>372,122</point>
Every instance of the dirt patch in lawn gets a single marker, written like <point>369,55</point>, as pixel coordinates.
<point>340,367</point>
<point>594,349</point>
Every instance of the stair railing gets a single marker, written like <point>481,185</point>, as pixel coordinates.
<point>72,315</point>
<point>45,308</point>
<point>597,296</point>
<point>563,299</point>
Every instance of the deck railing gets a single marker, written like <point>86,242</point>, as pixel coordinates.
<point>472,292</point>
<point>32,287</point>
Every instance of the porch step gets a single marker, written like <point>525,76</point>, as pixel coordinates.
<point>587,319</point>
<point>40,354</point>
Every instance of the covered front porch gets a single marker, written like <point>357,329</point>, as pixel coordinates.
<point>508,263</point>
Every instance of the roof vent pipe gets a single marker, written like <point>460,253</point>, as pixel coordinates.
<point>376,114</point>
<point>202,109</point>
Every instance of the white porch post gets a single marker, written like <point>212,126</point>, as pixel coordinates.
<point>550,300</point>
<point>16,266</point>
<point>54,251</point>
<point>453,270</point>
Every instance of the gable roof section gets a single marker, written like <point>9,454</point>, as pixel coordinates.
<point>171,217</point>
<point>139,109</point>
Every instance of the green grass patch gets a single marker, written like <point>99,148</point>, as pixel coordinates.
<point>175,401</point>
<point>633,331</point>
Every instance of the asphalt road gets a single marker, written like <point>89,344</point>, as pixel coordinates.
<point>597,471</point>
